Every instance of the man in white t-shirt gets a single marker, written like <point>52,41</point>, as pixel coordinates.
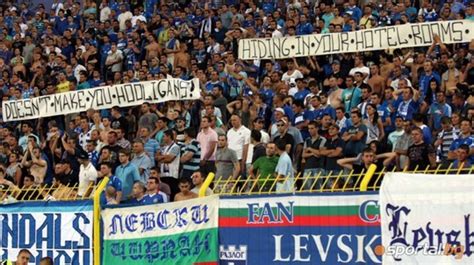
<point>360,67</point>
<point>124,16</point>
<point>104,11</point>
<point>292,73</point>
<point>239,139</point>
<point>87,175</point>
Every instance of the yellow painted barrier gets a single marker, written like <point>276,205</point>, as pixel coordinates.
<point>368,176</point>
<point>97,245</point>
<point>206,184</point>
<point>332,182</point>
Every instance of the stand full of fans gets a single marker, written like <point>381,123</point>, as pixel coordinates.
<point>409,108</point>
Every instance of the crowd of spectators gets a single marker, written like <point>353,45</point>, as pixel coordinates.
<point>400,108</point>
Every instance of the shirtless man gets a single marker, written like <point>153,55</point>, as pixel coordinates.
<point>105,128</point>
<point>450,78</point>
<point>334,93</point>
<point>386,65</point>
<point>418,63</point>
<point>32,160</point>
<point>185,188</point>
<point>182,58</point>
<point>153,49</point>
<point>376,81</point>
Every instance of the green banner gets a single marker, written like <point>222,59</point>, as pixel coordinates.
<point>188,248</point>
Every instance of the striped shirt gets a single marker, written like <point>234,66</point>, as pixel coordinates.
<point>448,138</point>
<point>195,148</point>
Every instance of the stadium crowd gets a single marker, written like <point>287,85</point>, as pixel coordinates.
<point>400,108</point>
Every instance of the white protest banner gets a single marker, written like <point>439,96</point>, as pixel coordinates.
<point>123,95</point>
<point>403,36</point>
<point>60,230</point>
<point>427,219</point>
<point>172,233</point>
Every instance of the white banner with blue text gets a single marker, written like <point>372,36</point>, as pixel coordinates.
<point>427,219</point>
<point>59,230</point>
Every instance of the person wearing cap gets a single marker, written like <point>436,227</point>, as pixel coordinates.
<point>87,175</point>
<point>278,114</point>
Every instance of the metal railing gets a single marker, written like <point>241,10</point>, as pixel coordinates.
<point>38,193</point>
<point>369,180</point>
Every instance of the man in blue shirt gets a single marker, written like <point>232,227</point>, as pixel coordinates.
<point>462,161</point>
<point>284,170</point>
<point>106,171</point>
<point>407,103</point>
<point>354,10</point>
<point>425,79</point>
<point>304,27</point>
<point>302,91</point>
<point>152,195</point>
<point>466,138</point>
<point>438,110</point>
<point>138,194</point>
<point>127,173</point>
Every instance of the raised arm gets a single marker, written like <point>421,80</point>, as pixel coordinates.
<point>347,162</point>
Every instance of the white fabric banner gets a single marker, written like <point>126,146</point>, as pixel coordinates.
<point>159,220</point>
<point>61,230</point>
<point>402,36</point>
<point>123,95</point>
<point>427,219</point>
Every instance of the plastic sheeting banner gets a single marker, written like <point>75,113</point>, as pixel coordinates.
<point>427,219</point>
<point>60,230</point>
<point>300,229</point>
